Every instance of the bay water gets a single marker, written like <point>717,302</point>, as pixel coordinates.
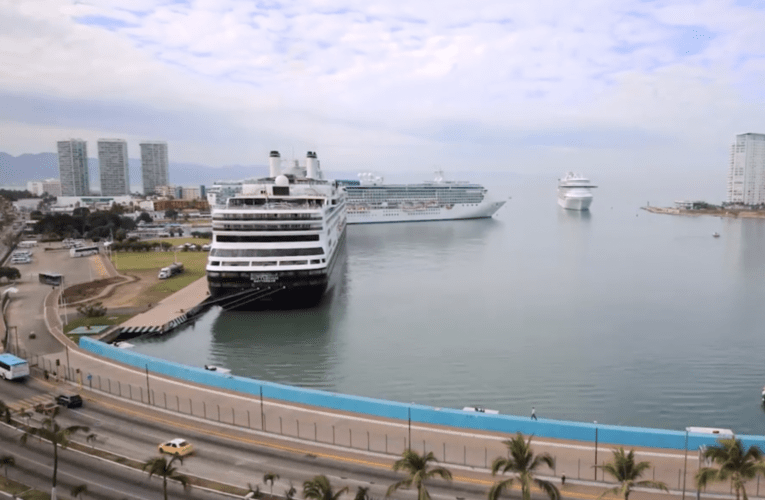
<point>616,315</point>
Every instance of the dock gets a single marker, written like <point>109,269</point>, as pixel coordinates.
<point>171,312</point>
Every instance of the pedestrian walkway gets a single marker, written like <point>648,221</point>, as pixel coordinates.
<point>170,312</point>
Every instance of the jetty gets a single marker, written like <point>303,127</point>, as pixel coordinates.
<point>171,312</point>
<point>734,213</point>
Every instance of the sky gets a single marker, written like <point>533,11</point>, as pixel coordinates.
<point>530,87</point>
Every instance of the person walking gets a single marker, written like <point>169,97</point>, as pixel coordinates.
<point>563,479</point>
<point>533,413</point>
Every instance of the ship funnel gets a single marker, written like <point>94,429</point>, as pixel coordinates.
<point>311,165</point>
<point>274,164</point>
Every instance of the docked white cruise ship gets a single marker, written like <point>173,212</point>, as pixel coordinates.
<point>574,192</point>
<point>370,200</point>
<point>279,239</point>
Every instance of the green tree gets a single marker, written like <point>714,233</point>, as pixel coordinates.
<point>58,436</point>
<point>253,491</point>
<point>78,490</point>
<point>269,478</point>
<point>523,463</point>
<point>362,493</point>
<point>5,412</point>
<point>627,472</point>
<point>171,214</point>
<point>418,471</point>
<point>734,463</point>
<point>145,217</point>
<point>7,461</point>
<point>319,488</point>
<point>289,493</point>
<point>160,466</point>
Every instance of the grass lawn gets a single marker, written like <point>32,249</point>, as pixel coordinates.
<point>146,265</point>
<point>15,488</point>
<point>127,262</point>
<point>109,319</point>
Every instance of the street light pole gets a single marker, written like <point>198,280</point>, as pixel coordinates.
<point>596,450</point>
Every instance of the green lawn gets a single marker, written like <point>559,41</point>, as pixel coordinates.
<point>126,262</point>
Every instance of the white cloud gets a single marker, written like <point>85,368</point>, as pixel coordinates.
<point>226,81</point>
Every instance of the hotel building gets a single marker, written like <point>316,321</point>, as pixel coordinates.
<point>73,167</point>
<point>746,170</point>
<point>113,166</point>
<point>154,165</point>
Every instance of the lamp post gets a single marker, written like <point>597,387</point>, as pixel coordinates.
<point>596,450</point>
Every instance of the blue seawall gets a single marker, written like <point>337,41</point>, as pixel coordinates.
<point>559,429</point>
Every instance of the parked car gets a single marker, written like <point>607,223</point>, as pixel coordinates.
<point>69,400</point>
<point>177,446</point>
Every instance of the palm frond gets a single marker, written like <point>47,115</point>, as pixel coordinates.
<point>497,489</point>
<point>548,488</point>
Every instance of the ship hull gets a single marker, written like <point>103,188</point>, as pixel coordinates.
<point>257,290</point>
<point>420,214</point>
<point>575,203</point>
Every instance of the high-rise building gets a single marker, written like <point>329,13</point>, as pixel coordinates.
<point>154,165</point>
<point>73,167</point>
<point>113,166</point>
<point>746,170</point>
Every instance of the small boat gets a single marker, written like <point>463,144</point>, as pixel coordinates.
<point>716,235</point>
<point>480,409</point>
<point>123,345</point>
<point>218,369</point>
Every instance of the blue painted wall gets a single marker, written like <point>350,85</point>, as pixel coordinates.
<point>560,429</point>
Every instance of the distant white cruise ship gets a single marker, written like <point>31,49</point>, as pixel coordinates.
<point>370,200</point>
<point>279,239</point>
<point>574,192</point>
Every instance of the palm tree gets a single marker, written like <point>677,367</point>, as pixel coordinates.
<point>58,436</point>
<point>5,412</point>
<point>7,461</point>
<point>161,467</point>
<point>523,463</point>
<point>270,477</point>
<point>289,494</point>
<point>253,491</point>
<point>362,493</point>
<point>624,469</point>
<point>319,488</point>
<point>78,490</point>
<point>735,463</point>
<point>91,438</point>
<point>418,469</point>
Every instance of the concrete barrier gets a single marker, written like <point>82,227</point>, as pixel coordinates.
<point>558,429</point>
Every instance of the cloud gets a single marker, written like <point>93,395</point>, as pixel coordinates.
<point>225,81</point>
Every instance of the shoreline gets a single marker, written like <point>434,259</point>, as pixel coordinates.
<point>729,213</point>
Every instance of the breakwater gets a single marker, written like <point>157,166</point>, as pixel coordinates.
<point>556,429</point>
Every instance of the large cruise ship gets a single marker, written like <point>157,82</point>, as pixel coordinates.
<point>370,200</point>
<point>279,239</point>
<point>574,192</point>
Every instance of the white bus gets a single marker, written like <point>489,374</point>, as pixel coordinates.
<point>27,244</point>
<point>83,251</point>
<point>12,367</point>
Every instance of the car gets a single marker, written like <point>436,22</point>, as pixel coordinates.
<point>46,408</point>
<point>178,446</point>
<point>69,400</point>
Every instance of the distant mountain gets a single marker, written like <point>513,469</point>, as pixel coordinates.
<point>18,170</point>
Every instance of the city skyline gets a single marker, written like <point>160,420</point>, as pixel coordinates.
<point>535,88</point>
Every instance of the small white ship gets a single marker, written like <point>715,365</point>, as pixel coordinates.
<point>574,192</point>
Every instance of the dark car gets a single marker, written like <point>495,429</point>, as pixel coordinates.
<point>69,400</point>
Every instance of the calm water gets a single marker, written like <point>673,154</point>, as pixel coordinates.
<point>618,316</point>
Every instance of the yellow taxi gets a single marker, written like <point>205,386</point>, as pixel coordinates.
<point>178,446</point>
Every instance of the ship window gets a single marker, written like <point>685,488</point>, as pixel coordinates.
<point>281,190</point>
<point>215,263</point>
<point>265,252</point>
<point>293,262</point>
<point>316,261</point>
